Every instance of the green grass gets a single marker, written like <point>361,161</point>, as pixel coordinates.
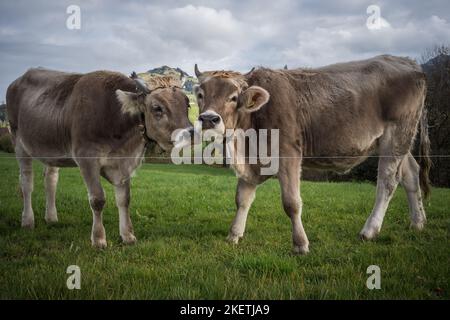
<point>181,216</point>
<point>193,110</point>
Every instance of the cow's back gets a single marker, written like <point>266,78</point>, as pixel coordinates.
<point>339,109</point>
<point>36,105</point>
<point>54,114</point>
<point>96,112</point>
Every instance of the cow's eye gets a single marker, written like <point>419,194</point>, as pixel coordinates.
<point>157,109</point>
<point>234,99</point>
<point>199,95</point>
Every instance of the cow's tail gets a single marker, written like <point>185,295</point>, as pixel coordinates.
<point>424,155</point>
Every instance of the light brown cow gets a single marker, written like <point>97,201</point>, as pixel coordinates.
<point>329,118</point>
<point>93,121</point>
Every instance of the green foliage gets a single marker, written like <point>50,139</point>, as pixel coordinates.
<point>2,112</point>
<point>6,143</point>
<point>181,216</point>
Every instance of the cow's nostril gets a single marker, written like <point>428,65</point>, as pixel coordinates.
<point>211,118</point>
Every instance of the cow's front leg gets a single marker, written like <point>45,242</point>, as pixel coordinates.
<point>122,192</point>
<point>289,177</point>
<point>90,171</point>
<point>26,183</point>
<point>51,181</point>
<point>245,194</point>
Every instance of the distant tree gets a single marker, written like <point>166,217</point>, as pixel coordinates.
<point>436,65</point>
<point>2,112</point>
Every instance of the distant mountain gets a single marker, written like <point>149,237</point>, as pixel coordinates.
<point>166,70</point>
<point>172,72</point>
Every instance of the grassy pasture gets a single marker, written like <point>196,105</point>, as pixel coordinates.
<point>181,216</point>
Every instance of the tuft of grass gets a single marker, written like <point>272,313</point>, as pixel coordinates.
<point>181,216</point>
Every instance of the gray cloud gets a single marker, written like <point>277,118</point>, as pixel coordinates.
<point>139,35</point>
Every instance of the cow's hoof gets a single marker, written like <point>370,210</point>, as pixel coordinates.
<point>419,226</point>
<point>28,223</point>
<point>51,219</point>
<point>300,250</point>
<point>234,239</point>
<point>368,234</point>
<point>99,243</point>
<point>129,239</point>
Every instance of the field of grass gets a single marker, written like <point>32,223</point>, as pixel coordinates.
<point>181,216</point>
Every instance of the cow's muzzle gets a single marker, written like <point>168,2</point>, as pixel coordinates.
<point>210,120</point>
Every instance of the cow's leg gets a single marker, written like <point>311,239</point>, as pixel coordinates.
<point>289,177</point>
<point>410,181</point>
<point>122,192</point>
<point>387,181</point>
<point>245,194</point>
<point>90,171</point>
<point>51,181</point>
<point>26,184</point>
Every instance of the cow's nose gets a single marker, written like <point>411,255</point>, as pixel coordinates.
<point>214,119</point>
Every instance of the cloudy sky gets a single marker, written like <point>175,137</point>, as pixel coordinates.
<point>139,35</point>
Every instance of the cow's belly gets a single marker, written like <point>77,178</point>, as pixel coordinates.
<point>51,152</point>
<point>341,156</point>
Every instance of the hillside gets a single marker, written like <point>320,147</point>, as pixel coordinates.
<point>176,73</point>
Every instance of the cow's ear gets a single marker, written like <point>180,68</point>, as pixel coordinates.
<point>132,103</point>
<point>253,99</point>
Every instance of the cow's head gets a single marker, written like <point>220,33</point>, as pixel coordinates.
<point>225,99</point>
<point>164,106</point>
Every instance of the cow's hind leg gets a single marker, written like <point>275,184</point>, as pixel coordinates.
<point>51,181</point>
<point>122,193</point>
<point>410,181</point>
<point>387,181</point>
<point>245,194</point>
<point>394,148</point>
<point>26,184</point>
<point>90,170</point>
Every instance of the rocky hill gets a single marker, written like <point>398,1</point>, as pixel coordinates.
<point>176,73</point>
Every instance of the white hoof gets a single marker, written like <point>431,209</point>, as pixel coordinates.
<point>419,226</point>
<point>28,222</point>
<point>301,249</point>
<point>232,238</point>
<point>53,218</point>
<point>129,239</point>
<point>369,233</point>
<point>99,243</point>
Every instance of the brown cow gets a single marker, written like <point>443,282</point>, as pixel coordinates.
<point>93,121</point>
<point>329,118</point>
